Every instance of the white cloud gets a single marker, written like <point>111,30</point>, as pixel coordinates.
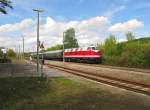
<point>90,24</point>
<point>126,26</point>
<point>7,41</point>
<point>15,27</point>
<point>51,32</point>
<point>49,22</point>
<point>88,31</point>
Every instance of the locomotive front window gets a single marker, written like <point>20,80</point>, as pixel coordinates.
<point>93,48</point>
<point>89,48</point>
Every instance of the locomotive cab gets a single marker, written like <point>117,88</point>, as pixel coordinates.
<point>92,48</point>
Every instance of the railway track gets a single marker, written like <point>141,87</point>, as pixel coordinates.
<point>132,86</point>
<point>116,67</point>
<point>111,67</point>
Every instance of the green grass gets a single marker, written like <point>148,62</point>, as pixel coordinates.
<point>60,94</point>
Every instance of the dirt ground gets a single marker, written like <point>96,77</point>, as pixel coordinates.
<point>97,95</point>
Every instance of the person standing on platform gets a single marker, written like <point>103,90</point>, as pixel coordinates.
<point>30,59</point>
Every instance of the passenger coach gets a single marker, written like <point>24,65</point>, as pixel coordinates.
<point>84,55</point>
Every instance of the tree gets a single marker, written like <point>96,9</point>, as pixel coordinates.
<point>110,47</point>
<point>130,36</point>
<point>4,4</point>
<point>11,53</point>
<point>1,54</point>
<point>56,47</point>
<point>69,39</point>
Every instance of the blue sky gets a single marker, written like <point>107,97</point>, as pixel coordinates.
<point>79,9</point>
<point>133,15</point>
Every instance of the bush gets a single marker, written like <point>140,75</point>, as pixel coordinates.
<point>134,53</point>
<point>11,53</point>
<point>56,47</point>
<point>1,54</point>
<point>111,60</point>
<point>109,48</point>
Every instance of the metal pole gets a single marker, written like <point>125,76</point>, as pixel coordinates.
<point>38,42</point>
<point>38,11</point>
<point>19,52</point>
<point>63,47</point>
<point>42,65</point>
<point>23,45</point>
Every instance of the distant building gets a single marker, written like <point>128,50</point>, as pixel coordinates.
<point>3,49</point>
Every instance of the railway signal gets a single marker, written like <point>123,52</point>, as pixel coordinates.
<point>41,46</point>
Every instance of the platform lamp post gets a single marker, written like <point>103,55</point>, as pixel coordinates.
<point>38,13</point>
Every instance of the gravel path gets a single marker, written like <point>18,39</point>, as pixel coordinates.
<point>26,69</point>
<point>17,70</point>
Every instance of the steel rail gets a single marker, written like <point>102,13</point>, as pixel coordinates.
<point>128,85</point>
<point>146,71</point>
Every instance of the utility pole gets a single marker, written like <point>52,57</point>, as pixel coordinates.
<point>63,46</point>
<point>23,45</point>
<point>42,62</point>
<point>19,52</point>
<point>38,12</point>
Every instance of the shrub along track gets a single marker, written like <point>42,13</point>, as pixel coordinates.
<point>129,85</point>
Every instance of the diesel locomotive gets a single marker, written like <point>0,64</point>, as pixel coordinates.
<point>84,55</point>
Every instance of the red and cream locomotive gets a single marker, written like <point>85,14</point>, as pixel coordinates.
<point>85,54</point>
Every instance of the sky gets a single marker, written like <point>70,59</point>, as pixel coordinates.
<point>93,21</point>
